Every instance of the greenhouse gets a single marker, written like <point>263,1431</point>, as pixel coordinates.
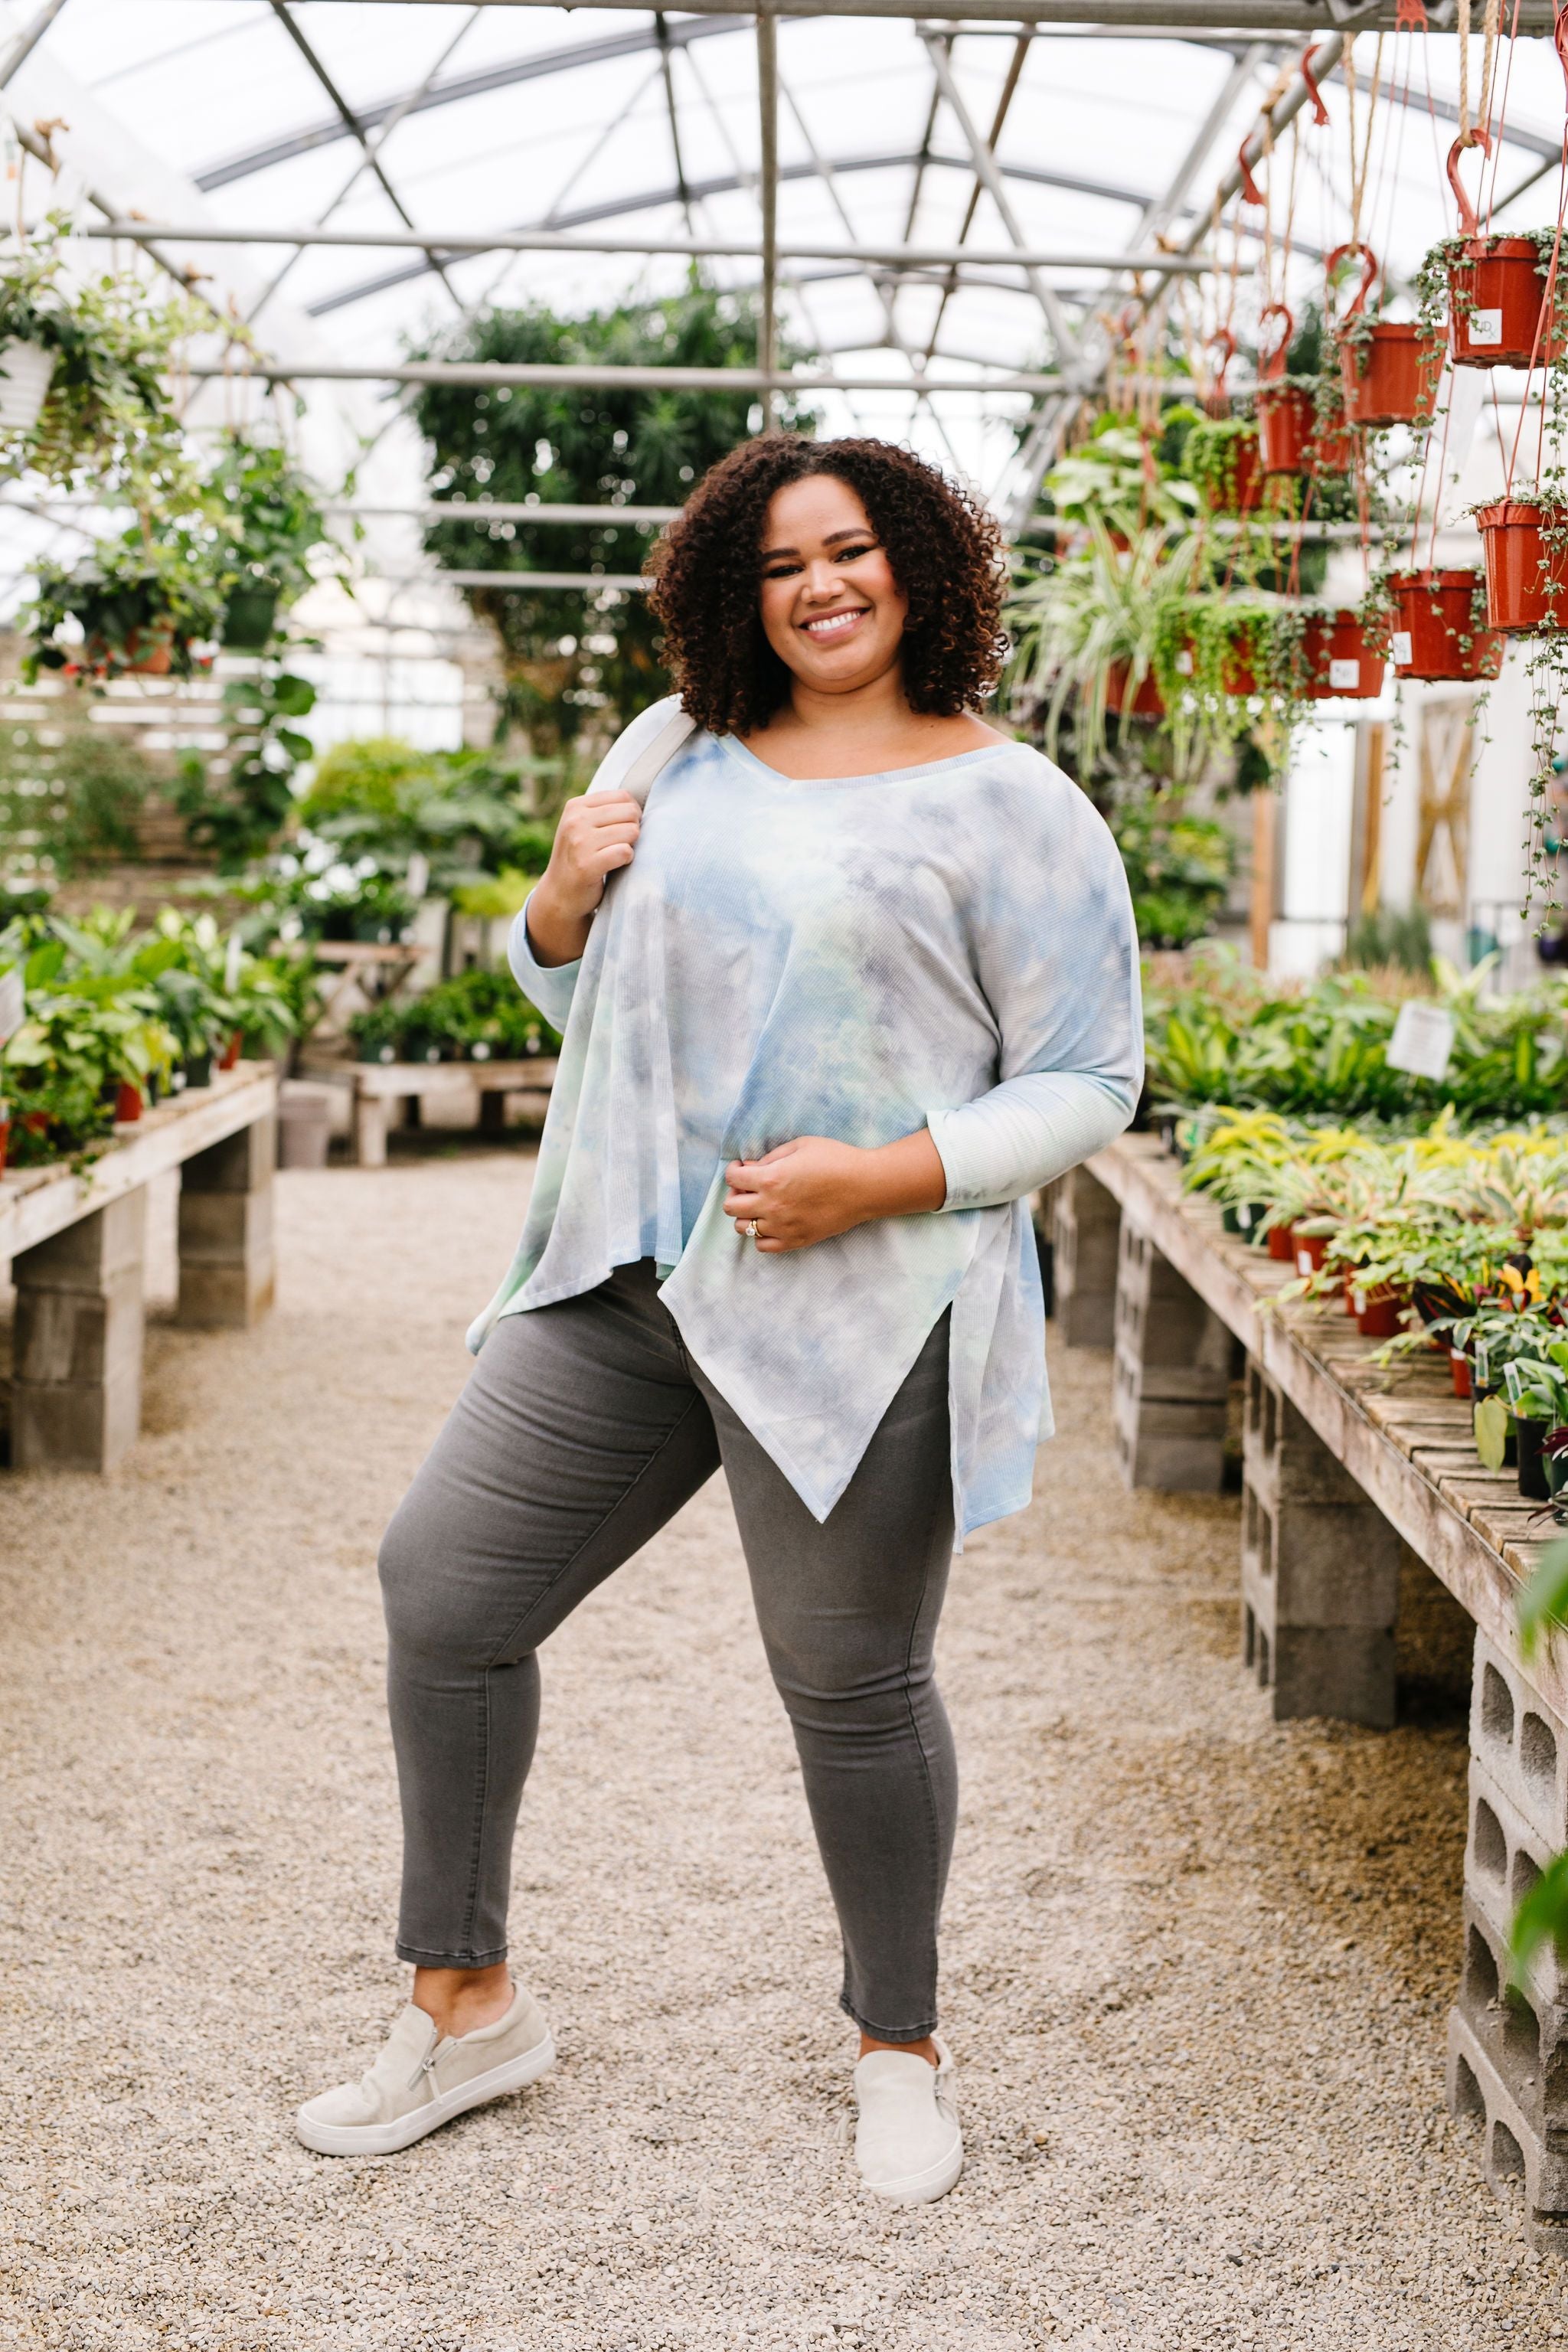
<point>867,713</point>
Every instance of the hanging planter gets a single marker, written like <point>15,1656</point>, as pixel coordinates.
<point>1343,656</point>
<point>1525,549</point>
<point>249,617</point>
<point>1498,288</point>
<point>1221,455</point>
<point>27,370</point>
<point>1389,370</point>
<point>1440,625</point>
<point>1298,430</point>
<point>1146,701</point>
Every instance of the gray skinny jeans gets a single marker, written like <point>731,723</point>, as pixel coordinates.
<point>584,1426</point>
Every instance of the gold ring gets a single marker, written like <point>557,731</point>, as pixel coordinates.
<point>750,1229</point>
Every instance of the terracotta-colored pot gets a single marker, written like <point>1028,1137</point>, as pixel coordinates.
<point>1282,1244</point>
<point>1459,1372</point>
<point>1389,376</point>
<point>5,1142</point>
<point>1341,658</point>
<point>1433,618</point>
<point>230,1053</point>
<point>1378,1312</point>
<point>148,653</point>
<point>1287,421</point>
<point>1497,306</point>
<point>1147,703</point>
<point>1311,1251</point>
<point>1527,581</point>
<point>127,1103</point>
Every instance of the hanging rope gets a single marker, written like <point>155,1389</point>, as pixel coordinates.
<point>1359,170</point>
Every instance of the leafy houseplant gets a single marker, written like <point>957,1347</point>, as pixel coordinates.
<point>1089,625</point>
<point>142,604</point>
<point>1221,457</point>
<point>1118,478</point>
<point>275,528</point>
<point>1440,624</point>
<point>1389,369</point>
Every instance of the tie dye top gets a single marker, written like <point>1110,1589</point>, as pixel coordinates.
<point>948,946</point>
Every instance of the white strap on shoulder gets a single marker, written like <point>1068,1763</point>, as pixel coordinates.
<point>649,765</point>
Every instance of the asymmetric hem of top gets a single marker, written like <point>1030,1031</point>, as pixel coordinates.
<point>948,947</point>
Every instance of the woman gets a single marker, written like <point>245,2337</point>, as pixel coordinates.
<point>861,979</point>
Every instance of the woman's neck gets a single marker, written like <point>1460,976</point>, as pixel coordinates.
<point>863,732</point>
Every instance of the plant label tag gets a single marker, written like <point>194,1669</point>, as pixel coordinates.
<point>1184,664</point>
<point>13,1003</point>
<point>1345,677</point>
<point>1486,326</point>
<point>1403,657</point>
<point>417,880</point>
<point>1422,1041</point>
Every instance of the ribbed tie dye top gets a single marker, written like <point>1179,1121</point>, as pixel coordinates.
<point>950,947</point>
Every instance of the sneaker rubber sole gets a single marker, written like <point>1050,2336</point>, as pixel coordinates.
<point>386,2139</point>
<point>922,2187</point>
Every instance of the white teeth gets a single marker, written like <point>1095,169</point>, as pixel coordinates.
<point>831,624</point>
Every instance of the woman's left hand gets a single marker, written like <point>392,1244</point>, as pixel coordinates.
<point>809,1190</point>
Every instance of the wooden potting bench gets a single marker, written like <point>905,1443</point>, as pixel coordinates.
<point>374,1087</point>
<point>1344,1464</point>
<point>77,1245</point>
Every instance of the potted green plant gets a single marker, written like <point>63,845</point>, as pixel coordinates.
<point>1087,626</point>
<point>1440,624</point>
<point>1506,303</point>
<point>275,526</point>
<point>1524,547</point>
<point>142,604</point>
<point>31,309</point>
<point>1389,369</point>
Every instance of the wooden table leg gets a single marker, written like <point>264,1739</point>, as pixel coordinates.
<point>492,1110</point>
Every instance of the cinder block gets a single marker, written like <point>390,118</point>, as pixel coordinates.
<point>242,1163</point>
<point>1530,2176</point>
<point>65,1425</point>
<point>223,1298</point>
<point>226,1225</point>
<point>1088,1222</point>
<point>1521,1744</point>
<point>1504,1856</point>
<point>1320,1571</point>
<point>1170,1378</point>
<point>87,1256</point>
<point>81,1337</point>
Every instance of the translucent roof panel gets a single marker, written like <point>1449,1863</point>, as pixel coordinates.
<point>368,116</point>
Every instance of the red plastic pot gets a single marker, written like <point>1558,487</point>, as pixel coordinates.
<point>1497,306</point>
<point>1247,495</point>
<point>5,1142</point>
<point>127,1103</point>
<point>1147,703</point>
<point>1282,1244</point>
<point>1527,581</point>
<point>1434,616</point>
<point>1391,376</point>
<point>230,1055</point>
<point>1342,658</point>
<point>1311,1252</point>
<point>147,653</point>
<point>1287,421</point>
<point>1378,1312</point>
<point>1459,1372</point>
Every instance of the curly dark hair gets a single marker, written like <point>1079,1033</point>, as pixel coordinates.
<point>945,551</point>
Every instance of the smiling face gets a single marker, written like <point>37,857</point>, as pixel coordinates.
<point>831,609</point>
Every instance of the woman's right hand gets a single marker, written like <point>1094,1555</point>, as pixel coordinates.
<point>597,835</point>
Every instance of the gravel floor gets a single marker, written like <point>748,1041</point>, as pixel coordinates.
<point>1197,1964</point>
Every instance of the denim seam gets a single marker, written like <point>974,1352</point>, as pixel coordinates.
<point>886,2032</point>
<point>418,1957</point>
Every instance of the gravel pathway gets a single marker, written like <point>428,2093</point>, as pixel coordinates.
<point>1197,1964</point>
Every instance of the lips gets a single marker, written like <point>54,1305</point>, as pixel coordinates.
<point>829,627</point>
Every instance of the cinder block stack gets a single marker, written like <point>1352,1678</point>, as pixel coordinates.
<point>1508,2049</point>
<point>1087,1221</point>
<point>1320,1570</point>
<point>76,1402</point>
<point>1172,1375</point>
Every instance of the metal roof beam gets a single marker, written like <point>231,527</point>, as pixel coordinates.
<point>1292,18</point>
<point>492,375</point>
<point>915,257</point>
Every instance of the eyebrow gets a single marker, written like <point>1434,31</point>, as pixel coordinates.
<point>860,530</point>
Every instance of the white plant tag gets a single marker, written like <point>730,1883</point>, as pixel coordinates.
<point>234,957</point>
<point>12,1004</point>
<point>417,880</point>
<point>1345,677</point>
<point>1402,653</point>
<point>1486,326</point>
<point>1184,664</point>
<point>1422,1041</point>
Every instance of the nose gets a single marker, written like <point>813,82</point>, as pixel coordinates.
<point>822,581</point>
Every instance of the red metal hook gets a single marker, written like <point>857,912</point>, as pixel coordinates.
<point>1221,335</point>
<point>1251,194</point>
<point>1469,222</point>
<point>1273,364</point>
<point>1369,272</point>
<point>1319,111</point>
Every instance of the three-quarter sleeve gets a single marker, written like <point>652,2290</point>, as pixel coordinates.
<point>548,986</point>
<point>1056,953</point>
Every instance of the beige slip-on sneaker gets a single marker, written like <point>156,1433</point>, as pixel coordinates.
<point>908,2143</point>
<point>423,2078</point>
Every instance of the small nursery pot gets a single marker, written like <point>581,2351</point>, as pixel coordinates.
<point>26,372</point>
<point>1389,374</point>
<point>1147,703</point>
<point>1459,1372</point>
<point>127,1103</point>
<point>4,1138</point>
<point>231,1052</point>
<point>1282,1244</point>
<point>1496,305</point>
<point>1378,1312</point>
<point>1342,658</point>
<point>1533,1482</point>
<point>1527,580</point>
<point>1556,1466</point>
<point>1311,1251</point>
<point>1435,634</point>
<point>197,1069</point>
